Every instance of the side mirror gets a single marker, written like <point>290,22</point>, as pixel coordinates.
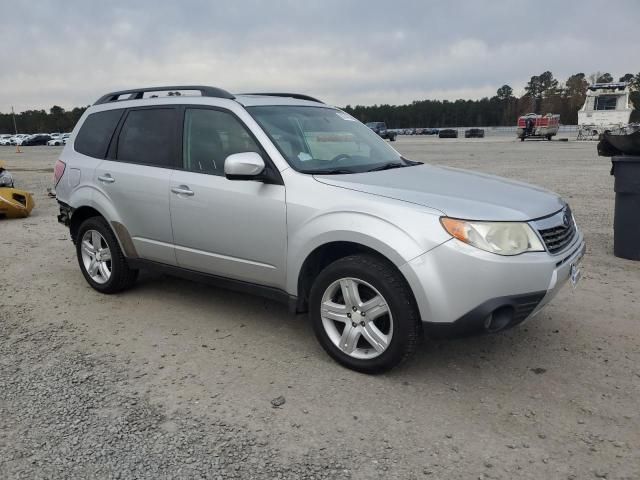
<point>244,166</point>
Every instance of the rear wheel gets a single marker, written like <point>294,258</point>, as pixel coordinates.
<point>363,314</point>
<point>101,260</point>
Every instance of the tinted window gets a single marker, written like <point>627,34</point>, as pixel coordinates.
<point>210,136</point>
<point>96,132</point>
<point>148,136</point>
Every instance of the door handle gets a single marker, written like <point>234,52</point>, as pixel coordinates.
<point>182,190</point>
<point>106,178</point>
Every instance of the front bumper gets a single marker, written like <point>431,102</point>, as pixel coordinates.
<point>462,290</point>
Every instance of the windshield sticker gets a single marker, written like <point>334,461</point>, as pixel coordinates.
<point>335,137</point>
<point>345,116</point>
<point>304,157</point>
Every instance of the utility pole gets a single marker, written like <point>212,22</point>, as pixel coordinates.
<point>15,128</point>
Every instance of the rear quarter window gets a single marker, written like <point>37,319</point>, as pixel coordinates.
<point>96,132</point>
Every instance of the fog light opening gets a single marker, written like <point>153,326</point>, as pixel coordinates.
<point>499,319</point>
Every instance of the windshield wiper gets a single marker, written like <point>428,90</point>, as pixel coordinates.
<point>330,171</point>
<point>388,166</point>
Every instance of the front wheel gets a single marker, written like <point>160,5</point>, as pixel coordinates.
<point>101,260</point>
<point>363,314</point>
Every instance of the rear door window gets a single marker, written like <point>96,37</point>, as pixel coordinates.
<point>148,136</point>
<point>96,132</point>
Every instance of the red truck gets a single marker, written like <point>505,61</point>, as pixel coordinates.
<point>533,125</point>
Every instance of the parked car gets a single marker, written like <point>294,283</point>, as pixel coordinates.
<point>55,134</point>
<point>38,139</point>
<point>5,139</point>
<point>18,138</point>
<point>59,140</point>
<point>284,196</point>
<point>474,133</point>
<point>381,129</point>
<point>448,133</point>
<point>65,137</point>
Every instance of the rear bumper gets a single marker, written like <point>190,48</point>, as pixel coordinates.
<point>64,216</point>
<point>461,290</point>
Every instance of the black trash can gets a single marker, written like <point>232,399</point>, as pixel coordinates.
<point>626,223</point>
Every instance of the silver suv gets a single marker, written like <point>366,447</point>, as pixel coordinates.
<point>284,196</point>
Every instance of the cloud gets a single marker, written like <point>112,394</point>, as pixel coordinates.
<point>358,52</point>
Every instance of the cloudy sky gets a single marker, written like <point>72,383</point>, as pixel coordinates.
<point>69,52</point>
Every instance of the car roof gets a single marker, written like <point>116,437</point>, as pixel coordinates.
<point>252,100</point>
<point>172,94</point>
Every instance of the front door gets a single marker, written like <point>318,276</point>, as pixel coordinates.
<point>230,228</point>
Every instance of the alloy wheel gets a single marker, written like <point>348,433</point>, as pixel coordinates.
<point>96,256</point>
<point>356,318</point>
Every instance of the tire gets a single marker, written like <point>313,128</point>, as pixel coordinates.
<point>393,138</point>
<point>120,276</point>
<point>394,315</point>
<point>522,139</point>
<point>549,137</point>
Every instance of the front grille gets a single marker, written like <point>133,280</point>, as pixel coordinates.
<point>557,237</point>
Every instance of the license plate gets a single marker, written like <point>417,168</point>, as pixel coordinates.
<point>575,274</point>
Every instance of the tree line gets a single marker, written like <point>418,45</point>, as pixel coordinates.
<point>542,94</point>
<point>57,119</point>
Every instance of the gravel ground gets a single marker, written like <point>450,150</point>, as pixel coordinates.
<point>175,379</point>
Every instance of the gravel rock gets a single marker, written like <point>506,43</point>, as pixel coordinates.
<point>70,414</point>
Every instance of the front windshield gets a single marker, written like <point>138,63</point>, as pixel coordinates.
<point>324,140</point>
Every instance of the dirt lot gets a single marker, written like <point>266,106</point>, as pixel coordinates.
<point>175,379</point>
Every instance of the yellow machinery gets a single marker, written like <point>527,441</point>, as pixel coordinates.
<point>14,203</point>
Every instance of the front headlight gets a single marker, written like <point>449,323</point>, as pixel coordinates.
<point>502,238</point>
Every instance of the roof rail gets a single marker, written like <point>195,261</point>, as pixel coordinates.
<point>298,96</point>
<point>138,93</point>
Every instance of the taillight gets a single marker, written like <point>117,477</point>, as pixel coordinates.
<point>58,171</point>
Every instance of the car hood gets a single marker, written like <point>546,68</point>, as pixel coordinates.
<point>455,192</point>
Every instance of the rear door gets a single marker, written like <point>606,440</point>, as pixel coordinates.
<point>231,228</point>
<point>135,178</point>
